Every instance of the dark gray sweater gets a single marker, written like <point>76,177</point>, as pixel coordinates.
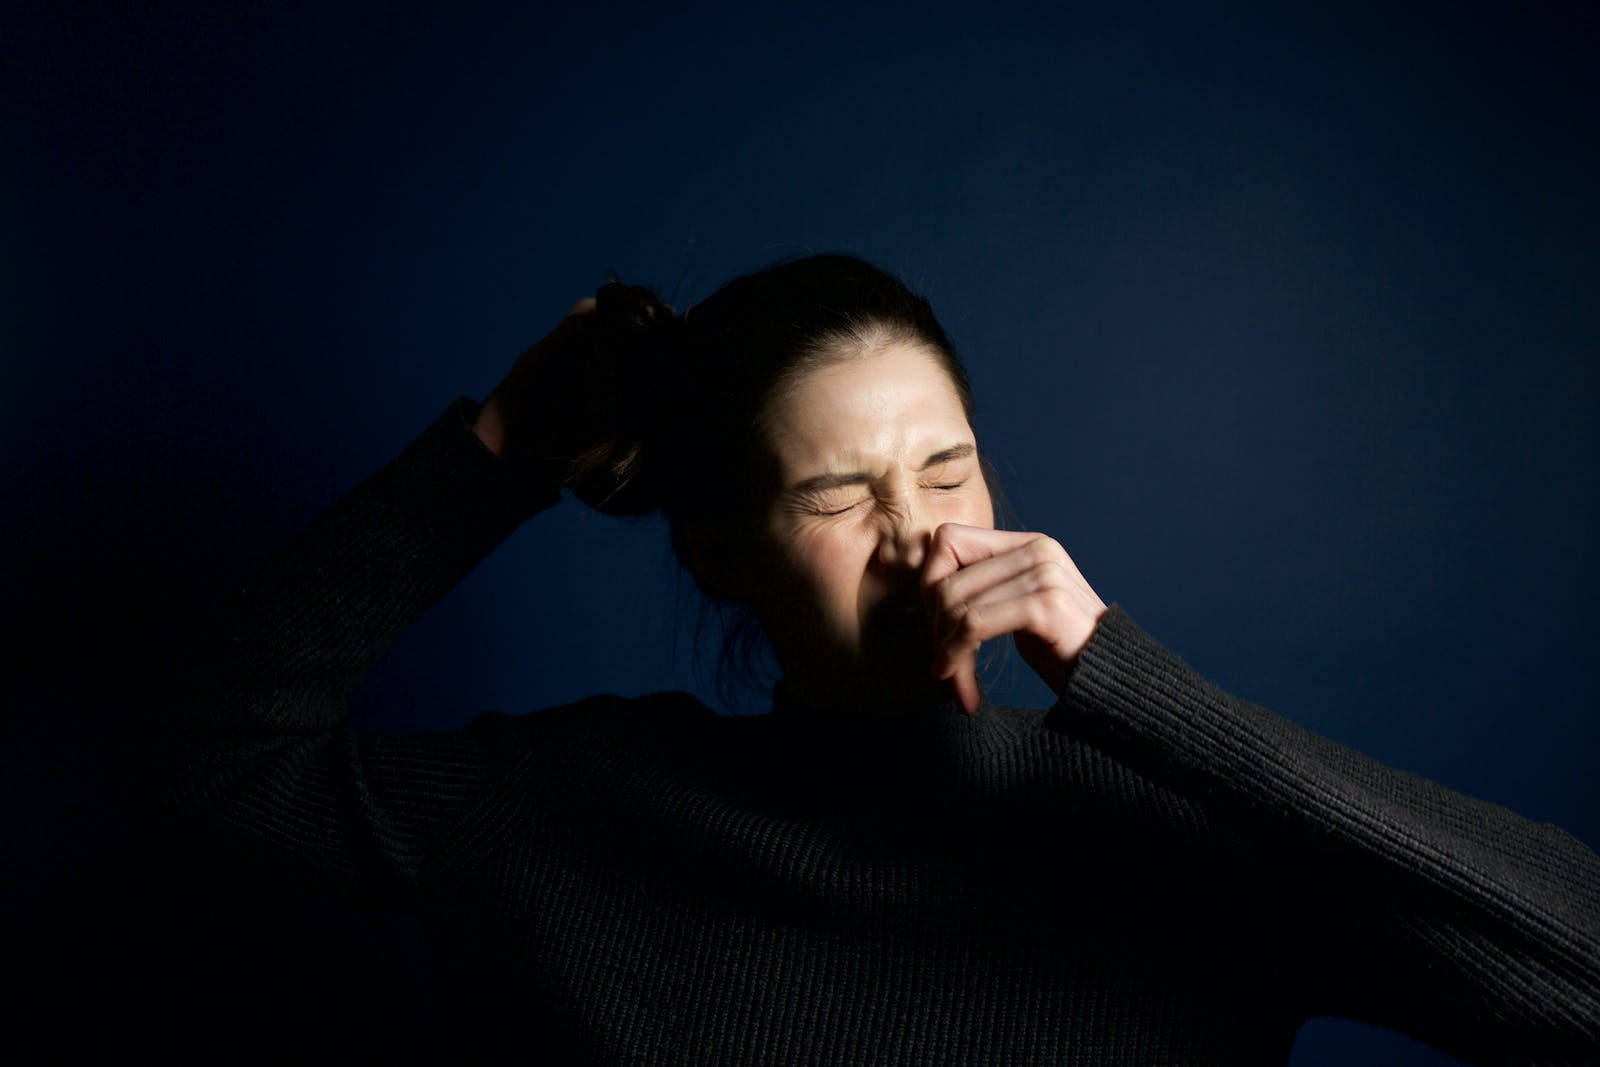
<point>1151,871</point>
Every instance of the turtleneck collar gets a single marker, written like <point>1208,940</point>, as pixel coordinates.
<point>937,723</point>
<point>863,766</point>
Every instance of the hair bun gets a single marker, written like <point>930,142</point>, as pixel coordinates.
<point>640,331</point>
<point>632,305</point>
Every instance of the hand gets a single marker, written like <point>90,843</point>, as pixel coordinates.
<point>572,410</point>
<point>983,583</point>
<point>510,422</point>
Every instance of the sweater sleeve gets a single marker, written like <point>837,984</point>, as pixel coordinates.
<point>1416,908</point>
<point>258,752</point>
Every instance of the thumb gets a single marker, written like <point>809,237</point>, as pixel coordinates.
<point>965,683</point>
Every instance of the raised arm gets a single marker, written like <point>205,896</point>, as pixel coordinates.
<point>257,750</point>
<point>1455,920</point>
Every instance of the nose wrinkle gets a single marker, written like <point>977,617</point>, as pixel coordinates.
<point>906,542</point>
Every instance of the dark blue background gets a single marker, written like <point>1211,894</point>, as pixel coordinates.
<point>1284,325</point>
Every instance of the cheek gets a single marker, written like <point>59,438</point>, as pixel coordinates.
<point>833,564</point>
<point>978,510</point>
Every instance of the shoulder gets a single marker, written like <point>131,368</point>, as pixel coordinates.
<point>1114,795</point>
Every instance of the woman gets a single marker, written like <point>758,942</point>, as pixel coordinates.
<point>887,867</point>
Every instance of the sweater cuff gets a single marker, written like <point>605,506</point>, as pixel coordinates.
<point>1129,691</point>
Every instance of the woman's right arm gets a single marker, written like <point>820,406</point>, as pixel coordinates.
<point>256,749</point>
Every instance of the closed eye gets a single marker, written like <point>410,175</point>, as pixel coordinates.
<point>849,507</point>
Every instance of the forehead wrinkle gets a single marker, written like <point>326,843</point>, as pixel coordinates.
<point>884,442</point>
<point>866,426</point>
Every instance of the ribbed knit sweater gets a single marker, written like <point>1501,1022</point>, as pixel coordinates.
<point>1151,871</point>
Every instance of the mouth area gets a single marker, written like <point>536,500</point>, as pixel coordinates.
<point>900,623</point>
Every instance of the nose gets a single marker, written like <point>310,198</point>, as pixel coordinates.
<point>904,543</point>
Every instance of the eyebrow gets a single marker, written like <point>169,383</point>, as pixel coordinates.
<point>832,481</point>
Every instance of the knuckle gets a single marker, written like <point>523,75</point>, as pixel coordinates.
<point>968,618</point>
<point>1045,548</point>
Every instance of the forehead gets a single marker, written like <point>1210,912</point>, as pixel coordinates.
<point>877,407</point>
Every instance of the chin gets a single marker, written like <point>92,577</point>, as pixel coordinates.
<point>904,672</point>
<point>899,647</point>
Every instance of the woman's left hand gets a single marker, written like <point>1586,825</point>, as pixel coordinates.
<point>981,583</point>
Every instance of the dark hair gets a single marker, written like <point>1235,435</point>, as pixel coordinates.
<point>699,385</point>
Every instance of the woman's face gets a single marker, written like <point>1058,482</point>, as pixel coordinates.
<point>871,455</point>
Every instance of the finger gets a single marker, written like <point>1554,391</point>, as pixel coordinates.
<point>583,307</point>
<point>1028,580</point>
<point>978,623</point>
<point>955,545</point>
<point>1042,558</point>
<point>962,673</point>
<point>966,683</point>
